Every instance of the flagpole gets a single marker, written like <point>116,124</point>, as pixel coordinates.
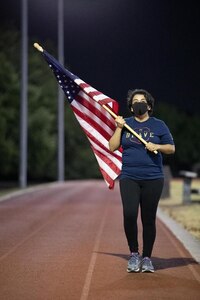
<point>61,134</point>
<point>24,89</point>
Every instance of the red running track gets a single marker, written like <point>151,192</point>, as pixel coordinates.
<point>66,242</point>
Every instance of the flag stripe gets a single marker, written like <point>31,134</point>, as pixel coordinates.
<point>94,123</point>
<point>93,132</point>
<point>115,156</point>
<point>108,165</point>
<point>96,113</point>
<point>97,96</point>
<point>105,173</point>
<point>96,109</point>
<point>94,136</point>
<point>108,159</point>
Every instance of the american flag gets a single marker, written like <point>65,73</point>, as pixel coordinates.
<point>98,125</point>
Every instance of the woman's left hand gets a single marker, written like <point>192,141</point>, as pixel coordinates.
<point>165,149</point>
<point>152,147</point>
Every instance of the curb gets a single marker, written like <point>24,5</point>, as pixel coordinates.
<point>30,190</point>
<point>190,243</point>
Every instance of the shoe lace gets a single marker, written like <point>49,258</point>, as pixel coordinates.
<point>148,262</point>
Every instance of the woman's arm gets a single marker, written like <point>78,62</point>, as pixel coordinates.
<point>115,141</point>
<point>165,149</point>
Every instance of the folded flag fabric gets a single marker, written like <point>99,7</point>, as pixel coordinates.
<point>88,106</point>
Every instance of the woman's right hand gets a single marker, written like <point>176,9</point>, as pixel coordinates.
<point>120,121</point>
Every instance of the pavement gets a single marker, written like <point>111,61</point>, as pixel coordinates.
<point>66,241</point>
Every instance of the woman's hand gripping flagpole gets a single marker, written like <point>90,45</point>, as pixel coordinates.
<point>39,48</point>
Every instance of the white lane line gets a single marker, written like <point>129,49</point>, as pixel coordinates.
<point>88,279</point>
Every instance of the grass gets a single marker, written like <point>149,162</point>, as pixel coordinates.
<point>4,191</point>
<point>186,214</point>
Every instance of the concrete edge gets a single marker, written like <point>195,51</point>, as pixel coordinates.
<point>38,187</point>
<point>190,242</point>
<point>30,190</point>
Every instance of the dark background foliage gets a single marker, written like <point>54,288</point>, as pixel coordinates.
<point>113,45</point>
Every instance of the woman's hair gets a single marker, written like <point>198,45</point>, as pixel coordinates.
<point>147,95</point>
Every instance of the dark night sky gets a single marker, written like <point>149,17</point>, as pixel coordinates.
<point>116,45</point>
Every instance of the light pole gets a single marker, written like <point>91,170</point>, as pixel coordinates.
<point>24,92</point>
<point>61,134</point>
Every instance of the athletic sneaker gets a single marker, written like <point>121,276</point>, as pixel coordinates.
<point>134,262</point>
<point>147,265</point>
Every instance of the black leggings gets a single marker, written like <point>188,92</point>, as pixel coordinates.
<point>145,193</point>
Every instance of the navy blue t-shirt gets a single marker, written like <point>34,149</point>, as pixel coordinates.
<point>137,162</point>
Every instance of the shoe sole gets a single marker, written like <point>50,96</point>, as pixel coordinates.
<point>133,271</point>
<point>148,271</point>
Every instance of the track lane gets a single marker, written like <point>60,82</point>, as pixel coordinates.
<point>67,242</point>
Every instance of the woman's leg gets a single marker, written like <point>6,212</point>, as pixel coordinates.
<point>150,195</point>
<point>130,194</point>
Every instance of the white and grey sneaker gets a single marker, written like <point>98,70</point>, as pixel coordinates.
<point>134,263</point>
<point>147,265</point>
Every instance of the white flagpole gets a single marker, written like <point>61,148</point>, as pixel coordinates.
<point>61,133</point>
<point>24,92</point>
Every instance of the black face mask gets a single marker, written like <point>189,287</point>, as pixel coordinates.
<point>139,108</point>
